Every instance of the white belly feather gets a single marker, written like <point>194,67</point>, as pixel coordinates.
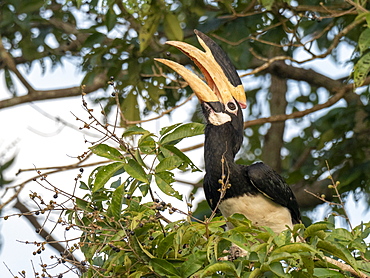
<point>259,209</point>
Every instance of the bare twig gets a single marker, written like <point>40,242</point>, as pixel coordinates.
<point>47,236</point>
<point>341,203</point>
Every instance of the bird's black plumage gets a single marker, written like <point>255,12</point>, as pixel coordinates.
<point>222,142</point>
<point>256,190</point>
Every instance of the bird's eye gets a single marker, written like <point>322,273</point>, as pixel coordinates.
<point>231,106</point>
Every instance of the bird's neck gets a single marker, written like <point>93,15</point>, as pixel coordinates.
<point>219,152</point>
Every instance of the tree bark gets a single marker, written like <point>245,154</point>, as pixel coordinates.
<point>273,141</point>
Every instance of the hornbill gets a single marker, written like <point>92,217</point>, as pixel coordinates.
<point>256,191</point>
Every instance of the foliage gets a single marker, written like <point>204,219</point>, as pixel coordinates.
<point>125,230</point>
<point>120,39</point>
<point>125,236</point>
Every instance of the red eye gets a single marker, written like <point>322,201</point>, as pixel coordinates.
<point>231,106</point>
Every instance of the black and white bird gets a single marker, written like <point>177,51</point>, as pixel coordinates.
<point>256,190</point>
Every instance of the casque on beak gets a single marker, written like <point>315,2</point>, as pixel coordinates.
<point>223,82</point>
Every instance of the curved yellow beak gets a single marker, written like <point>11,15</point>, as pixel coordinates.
<point>223,82</point>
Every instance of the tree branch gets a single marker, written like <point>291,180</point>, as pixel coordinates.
<point>99,81</point>
<point>346,267</point>
<point>274,138</point>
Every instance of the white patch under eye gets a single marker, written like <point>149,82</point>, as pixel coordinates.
<point>219,118</point>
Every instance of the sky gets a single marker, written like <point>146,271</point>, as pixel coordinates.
<point>43,142</point>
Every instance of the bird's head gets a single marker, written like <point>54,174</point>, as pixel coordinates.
<point>222,96</point>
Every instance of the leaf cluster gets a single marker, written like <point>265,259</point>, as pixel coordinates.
<point>124,235</point>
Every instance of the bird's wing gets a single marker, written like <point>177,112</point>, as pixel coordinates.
<point>272,185</point>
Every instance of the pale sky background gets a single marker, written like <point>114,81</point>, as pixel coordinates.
<point>43,142</point>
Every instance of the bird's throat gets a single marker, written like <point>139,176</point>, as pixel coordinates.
<point>219,153</point>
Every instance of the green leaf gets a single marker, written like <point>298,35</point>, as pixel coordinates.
<point>238,219</point>
<point>364,41</point>
<point>115,206</point>
<point>78,3</point>
<point>167,129</point>
<point>147,144</point>
<point>139,159</point>
<point>94,39</point>
<point>278,269</point>
<point>110,19</point>
<point>340,234</point>
<point>361,70</point>
<point>144,250</point>
<point>165,244</point>
<point>183,156</point>
<point>136,171</point>
<point>319,226</point>
<point>82,204</point>
<point>172,27</point>
<point>130,107</point>
<point>267,4</point>
<point>148,28</point>
<point>181,132</point>
<point>164,267</point>
<point>83,186</point>
<point>339,251</point>
<point>30,6</point>
<point>309,264</point>
<point>89,251</point>
<point>295,248</point>
<point>168,163</point>
<point>116,183</point>
<point>220,266</point>
<point>164,181</point>
<point>193,263</point>
<point>325,273</point>
<point>106,151</point>
<point>134,130</point>
<point>9,82</point>
<point>364,266</point>
<point>99,177</point>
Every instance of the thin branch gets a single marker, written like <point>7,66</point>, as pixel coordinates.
<point>335,186</point>
<point>357,6</point>
<point>298,114</point>
<point>336,41</point>
<point>47,236</point>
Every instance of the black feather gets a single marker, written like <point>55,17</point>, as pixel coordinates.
<point>273,186</point>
